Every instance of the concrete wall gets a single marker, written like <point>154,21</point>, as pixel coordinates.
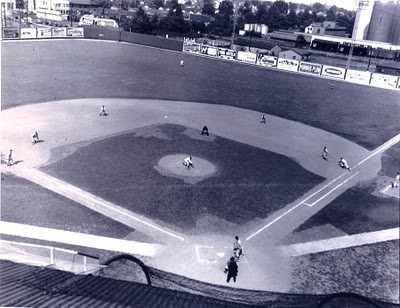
<point>384,25</point>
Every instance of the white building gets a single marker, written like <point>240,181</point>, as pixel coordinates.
<point>263,29</point>
<point>7,6</point>
<point>56,10</point>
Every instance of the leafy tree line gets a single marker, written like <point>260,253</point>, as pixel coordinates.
<point>276,15</point>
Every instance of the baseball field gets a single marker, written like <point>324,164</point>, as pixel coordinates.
<point>264,182</point>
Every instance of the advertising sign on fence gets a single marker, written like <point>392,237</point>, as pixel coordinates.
<point>228,54</point>
<point>384,81</point>
<point>10,33</point>
<point>43,32</point>
<point>398,84</point>
<point>334,72</point>
<point>310,68</point>
<point>361,77</point>
<point>191,47</point>
<point>208,50</point>
<point>59,32</point>
<point>247,57</point>
<point>267,60</point>
<point>288,64</point>
<point>28,33</point>
<point>75,32</point>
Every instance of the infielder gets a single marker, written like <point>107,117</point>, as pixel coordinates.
<point>343,163</point>
<point>188,162</point>
<point>324,154</point>
<point>35,137</point>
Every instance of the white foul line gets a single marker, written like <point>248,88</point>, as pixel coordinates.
<point>87,196</point>
<point>319,190</point>
<point>333,189</point>
<point>291,209</point>
<point>382,148</point>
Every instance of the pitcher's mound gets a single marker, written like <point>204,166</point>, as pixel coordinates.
<point>172,165</point>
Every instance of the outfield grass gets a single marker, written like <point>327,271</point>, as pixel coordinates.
<point>362,208</point>
<point>53,70</point>
<point>249,182</point>
<point>27,203</point>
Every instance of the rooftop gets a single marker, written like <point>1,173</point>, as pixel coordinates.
<point>29,286</point>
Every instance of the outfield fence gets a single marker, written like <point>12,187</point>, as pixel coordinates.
<point>291,65</point>
<point>91,32</point>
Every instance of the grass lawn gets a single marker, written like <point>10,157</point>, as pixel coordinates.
<point>361,208</point>
<point>55,70</point>
<point>27,203</point>
<point>121,169</point>
<point>369,270</point>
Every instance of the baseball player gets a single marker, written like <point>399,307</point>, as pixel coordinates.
<point>181,64</point>
<point>343,163</point>
<point>188,162</point>
<point>237,248</point>
<point>35,137</point>
<point>263,119</point>
<point>10,159</point>
<point>324,154</point>
<point>205,130</point>
<point>103,111</point>
<point>396,180</point>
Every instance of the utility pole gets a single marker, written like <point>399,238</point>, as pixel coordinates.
<point>236,6</point>
<point>361,5</point>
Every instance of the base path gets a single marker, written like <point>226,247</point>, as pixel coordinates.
<point>77,122</point>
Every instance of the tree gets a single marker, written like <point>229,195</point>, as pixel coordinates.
<point>225,8</point>
<point>104,4</point>
<point>246,13</point>
<point>331,14</point>
<point>318,7</point>
<point>140,23</point>
<point>208,8</point>
<point>157,3</point>
<point>292,19</point>
<point>261,15</point>
<point>174,21</point>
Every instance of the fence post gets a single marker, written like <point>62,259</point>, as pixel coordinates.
<point>84,264</point>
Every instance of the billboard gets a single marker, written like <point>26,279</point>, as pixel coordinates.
<point>43,32</point>
<point>59,32</point>
<point>75,32</point>
<point>288,65</point>
<point>310,68</point>
<point>208,50</point>
<point>333,72</point>
<point>361,77</point>
<point>267,60</point>
<point>384,81</point>
<point>28,33</point>
<point>10,33</point>
<point>226,53</point>
<point>191,47</point>
<point>247,57</point>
